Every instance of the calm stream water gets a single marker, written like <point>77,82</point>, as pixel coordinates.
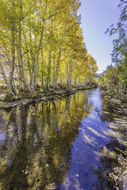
<point>55,145</point>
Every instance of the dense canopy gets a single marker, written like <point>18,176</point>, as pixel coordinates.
<point>42,45</point>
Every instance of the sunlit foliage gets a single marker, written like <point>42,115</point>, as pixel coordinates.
<point>43,44</point>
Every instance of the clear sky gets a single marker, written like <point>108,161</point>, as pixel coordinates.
<point>97,16</point>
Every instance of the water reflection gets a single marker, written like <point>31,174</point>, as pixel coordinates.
<point>58,145</point>
<point>85,159</point>
<point>36,141</point>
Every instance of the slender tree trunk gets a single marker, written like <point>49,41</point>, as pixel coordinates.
<point>32,56</point>
<point>12,68</point>
<point>37,60</point>
<point>19,51</point>
<point>13,58</point>
<point>42,70</point>
<point>70,73</point>
<point>38,54</point>
<point>54,64</point>
<point>28,60</point>
<point>19,69</point>
<point>59,56</point>
<point>49,69</point>
<point>20,48</point>
<point>58,66</point>
<point>6,80</point>
<point>7,56</point>
<point>70,67</point>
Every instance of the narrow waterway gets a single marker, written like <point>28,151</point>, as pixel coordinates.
<point>62,145</point>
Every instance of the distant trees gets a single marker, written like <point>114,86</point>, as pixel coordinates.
<point>116,77</point>
<point>43,43</point>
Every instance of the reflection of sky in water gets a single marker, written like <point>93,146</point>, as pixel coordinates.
<point>94,99</point>
<point>93,133</point>
<point>2,137</point>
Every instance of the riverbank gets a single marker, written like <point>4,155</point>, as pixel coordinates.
<point>116,110</point>
<point>46,96</point>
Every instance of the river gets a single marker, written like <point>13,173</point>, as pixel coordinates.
<point>62,144</point>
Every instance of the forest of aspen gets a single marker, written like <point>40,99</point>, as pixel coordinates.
<point>60,120</point>
<point>42,46</point>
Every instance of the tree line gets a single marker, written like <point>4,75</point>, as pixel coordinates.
<point>115,78</point>
<point>43,45</point>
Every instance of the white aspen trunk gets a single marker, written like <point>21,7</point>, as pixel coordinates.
<point>38,54</point>
<point>59,56</point>
<point>37,61</point>
<point>12,69</point>
<point>6,80</point>
<point>28,59</point>
<point>70,73</point>
<point>70,67</point>
<point>20,48</point>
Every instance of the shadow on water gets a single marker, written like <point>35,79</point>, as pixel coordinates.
<point>85,152</point>
<point>55,145</point>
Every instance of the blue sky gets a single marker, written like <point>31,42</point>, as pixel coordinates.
<point>97,16</point>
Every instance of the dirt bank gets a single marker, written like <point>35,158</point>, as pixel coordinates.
<point>116,110</point>
<point>49,95</point>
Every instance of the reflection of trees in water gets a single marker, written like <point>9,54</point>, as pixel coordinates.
<point>15,158</point>
<point>36,152</point>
